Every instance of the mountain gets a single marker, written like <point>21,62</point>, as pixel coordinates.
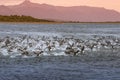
<point>73,13</point>
<point>4,10</point>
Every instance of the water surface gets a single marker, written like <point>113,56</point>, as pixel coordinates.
<point>92,66</point>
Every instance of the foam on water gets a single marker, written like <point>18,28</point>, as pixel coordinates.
<point>58,40</point>
<point>28,46</point>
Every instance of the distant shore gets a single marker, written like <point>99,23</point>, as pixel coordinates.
<point>61,22</point>
<point>23,19</point>
<point>32,20</point>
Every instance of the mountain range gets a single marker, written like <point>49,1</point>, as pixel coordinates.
<point>61,13</point>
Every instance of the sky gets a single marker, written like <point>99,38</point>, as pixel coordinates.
<point>109,4</point>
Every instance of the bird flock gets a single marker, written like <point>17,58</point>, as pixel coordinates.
<point>29,46</point>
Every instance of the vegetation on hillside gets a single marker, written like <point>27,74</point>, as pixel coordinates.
<point>22,18</point>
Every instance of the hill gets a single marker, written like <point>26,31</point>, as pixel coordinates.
<point>61,13</point>
<point>16,18</point>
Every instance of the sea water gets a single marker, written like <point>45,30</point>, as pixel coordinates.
<point>93,66</point>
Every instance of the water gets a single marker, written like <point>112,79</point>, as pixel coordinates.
<point>100,65</point>
<point>60,29</point>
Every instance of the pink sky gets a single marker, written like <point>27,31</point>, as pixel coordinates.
<point>109,4</point>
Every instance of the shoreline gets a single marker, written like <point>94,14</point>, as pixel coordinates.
<point>32,22</point>
<point>62,22</point>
